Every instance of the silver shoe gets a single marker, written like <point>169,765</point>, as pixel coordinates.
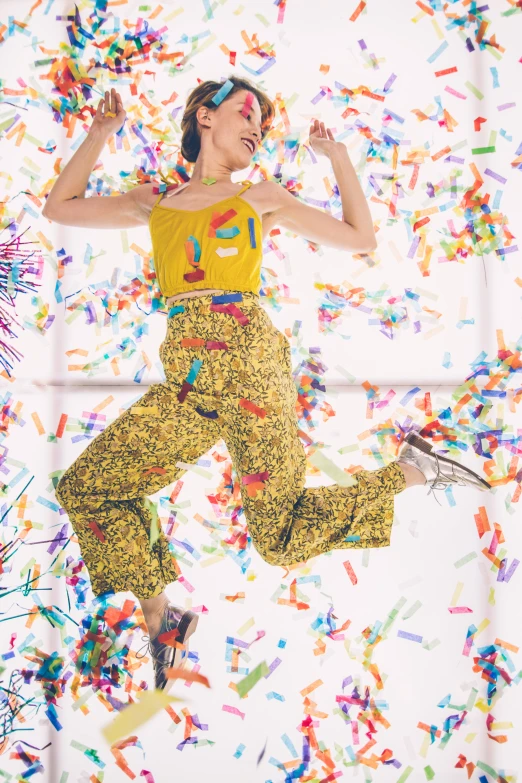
<point>163,655</point>
<point>439,471</point>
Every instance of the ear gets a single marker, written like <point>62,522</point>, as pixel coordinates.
<point>203,115</point>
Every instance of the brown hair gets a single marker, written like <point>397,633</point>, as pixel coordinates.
<point>202,96</point>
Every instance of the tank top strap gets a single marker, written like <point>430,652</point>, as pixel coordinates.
<point>170,192</point>
<point>159,198</point>
<point>247,184</point>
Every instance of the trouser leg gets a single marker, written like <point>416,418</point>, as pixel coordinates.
<point>228,375</point>
<point>288,522</point>
<point>104,491</point>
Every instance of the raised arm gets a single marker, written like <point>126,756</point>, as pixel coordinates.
<point>66,203</point>
<point>355,231</point>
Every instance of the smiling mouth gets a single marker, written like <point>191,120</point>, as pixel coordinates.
<point>248,144</point>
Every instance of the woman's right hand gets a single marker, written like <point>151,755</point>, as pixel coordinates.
<point>109,125</point>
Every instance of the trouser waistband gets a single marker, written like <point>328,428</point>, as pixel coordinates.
<point>228,301</point>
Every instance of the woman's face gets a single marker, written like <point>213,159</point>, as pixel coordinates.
<point>229,127</point>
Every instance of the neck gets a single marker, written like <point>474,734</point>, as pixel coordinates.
<point>207,170</point>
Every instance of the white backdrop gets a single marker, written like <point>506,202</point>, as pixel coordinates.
<point>417,333</point>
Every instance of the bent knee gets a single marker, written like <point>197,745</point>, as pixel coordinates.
<point>279,557</point>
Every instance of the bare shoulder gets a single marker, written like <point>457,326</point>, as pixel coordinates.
<point>144,197</point>
<point>272,196</point>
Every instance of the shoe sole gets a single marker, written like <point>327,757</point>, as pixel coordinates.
<point>186,627</point>
<point>419,443</point>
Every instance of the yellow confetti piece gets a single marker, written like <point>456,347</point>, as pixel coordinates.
<point>150,703</point>
<point>245,627</point>
<point>38,424</point>
<point>457,593</point>
<point>103,404</point>
<point>124,241</point>
<point>434,331</point>
<point>45,242</point>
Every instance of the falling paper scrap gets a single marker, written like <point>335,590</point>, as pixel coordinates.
<point>150,703</point>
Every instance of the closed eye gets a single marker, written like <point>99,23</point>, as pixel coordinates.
<point>248,117</point>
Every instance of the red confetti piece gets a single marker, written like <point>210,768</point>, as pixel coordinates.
<point>249,479</point>
<point>169,638</point>
<point>250,406</point>
<point>97,532</point>
<point>61,425</point>
<point>194,277</point>
<point>160,471</point>
<point>351,573</point>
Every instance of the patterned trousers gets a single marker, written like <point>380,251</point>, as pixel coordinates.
<point>228,375</point>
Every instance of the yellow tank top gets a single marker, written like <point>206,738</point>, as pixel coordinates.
<point>219,246</point>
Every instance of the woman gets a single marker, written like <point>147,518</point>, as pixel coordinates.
<point>228,369</point>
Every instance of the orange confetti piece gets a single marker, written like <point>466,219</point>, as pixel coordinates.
<point>180,673</point>
<point>250,406</point>
<point>160,471</point>
<point>351,573</point>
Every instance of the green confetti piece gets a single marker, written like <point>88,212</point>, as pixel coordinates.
<point>465,559</point>
<point>195,469</point>
<point>475,90</point>
<point>154,525</point>
<point>331,469</point>
<point>248,682</point>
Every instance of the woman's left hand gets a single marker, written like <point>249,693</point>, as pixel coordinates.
<point>321,139</point>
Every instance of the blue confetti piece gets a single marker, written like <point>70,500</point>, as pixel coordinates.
<point>236,296</point>
<point>252,232</point>
<point>223,92</point>
<point>193,372</point>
